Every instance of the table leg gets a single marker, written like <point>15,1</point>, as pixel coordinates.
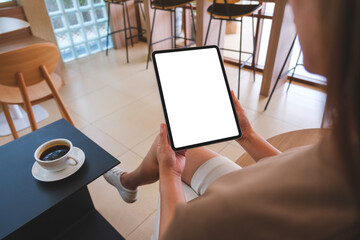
<point>73,218</point>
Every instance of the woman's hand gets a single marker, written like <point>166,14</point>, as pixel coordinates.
<point>244,123</point>
<point>169,161</point>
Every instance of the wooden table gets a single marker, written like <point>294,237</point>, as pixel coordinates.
<point>282,33</point>
<point>31,209</point>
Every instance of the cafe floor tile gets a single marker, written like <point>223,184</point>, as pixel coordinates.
<point>77,88</point>
<point>137,85</point>
<point>144,230</point>
<point>218,147</point>
<point>100,103</point>
<point>268,126</point>
<point>143,147</point>
<point>132,124</point>
<point>54,114</point>
<point>104,140</point>
<point>232,152</point>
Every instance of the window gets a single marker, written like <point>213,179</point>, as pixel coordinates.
<point>80,26</point>
<point>232,42</point>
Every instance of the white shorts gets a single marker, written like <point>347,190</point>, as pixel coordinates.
<point>204,176</point>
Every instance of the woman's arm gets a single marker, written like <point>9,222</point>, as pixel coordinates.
<point>171,194</point>
<point>252,142</point>
<point>171,166</point>
<point>257,146</point>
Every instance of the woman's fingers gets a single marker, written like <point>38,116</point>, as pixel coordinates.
<point>163,135</point>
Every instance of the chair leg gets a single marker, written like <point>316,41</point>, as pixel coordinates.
<point>108,30</point>
<point>128,19</point>
<point>142,9</point>
<point>219,32</point>
<point>126,45</point>
<point>171,29</point>
<point>26,100</point>
<point>56,95</point>
<point>9,120</point>
<point>207,32</point>
<point>150,42</point>
<point>193,19</point>
<point>241,28</point>
<point>280,73</point>
<point>254,47</point>
<point>292,75</point>
<point>174,28</point>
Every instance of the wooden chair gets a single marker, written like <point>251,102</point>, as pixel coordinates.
<point>27,78</point>
<point>289,140</point>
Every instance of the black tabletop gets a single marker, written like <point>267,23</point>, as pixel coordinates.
<point>22,197</point>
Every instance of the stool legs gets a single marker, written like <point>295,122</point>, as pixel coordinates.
<point>239,73</point>
<point>207,32</point>
<point>254,46</point>
<point>141,8</point>
<point>292,75</point>
<point>128,19</point>
<point>108,30</point>
<point>174,28</point>
<point>126,45</point>
<point>127,27</point>
<point>171,28</point>
<point>193,19</point>
<point>150,42</point>
<point>219,32</point>
<point>280,73</point>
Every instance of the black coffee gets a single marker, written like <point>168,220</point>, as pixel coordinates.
<point>54,152</point>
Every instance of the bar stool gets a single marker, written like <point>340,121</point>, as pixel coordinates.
<point>228,10</point>
<point>126,28</point>
<point>281,74</point>
<point>169,5</point>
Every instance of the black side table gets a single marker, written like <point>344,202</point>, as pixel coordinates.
<point>30,209</point>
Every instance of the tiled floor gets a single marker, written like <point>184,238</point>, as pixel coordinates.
<point>117,105</point>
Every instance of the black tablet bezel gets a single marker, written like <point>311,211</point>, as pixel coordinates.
<point>164,105</point>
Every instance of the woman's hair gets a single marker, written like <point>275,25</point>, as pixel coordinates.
<point>340,23</point>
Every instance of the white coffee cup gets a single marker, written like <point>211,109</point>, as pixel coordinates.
<point>56,155</point>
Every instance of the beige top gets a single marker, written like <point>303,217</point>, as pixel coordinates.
<point>299,194</point>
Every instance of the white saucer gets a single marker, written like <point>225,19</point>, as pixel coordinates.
<point>44,175</point>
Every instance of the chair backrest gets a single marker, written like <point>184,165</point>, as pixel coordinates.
<point>28,60</point>
<point>223,1</point>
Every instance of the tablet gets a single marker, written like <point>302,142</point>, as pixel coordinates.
<point>195,96</point>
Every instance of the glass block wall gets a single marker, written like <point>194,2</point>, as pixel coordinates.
<point>80,26</point>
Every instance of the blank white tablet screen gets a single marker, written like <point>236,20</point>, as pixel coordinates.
<point>195,95</point>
